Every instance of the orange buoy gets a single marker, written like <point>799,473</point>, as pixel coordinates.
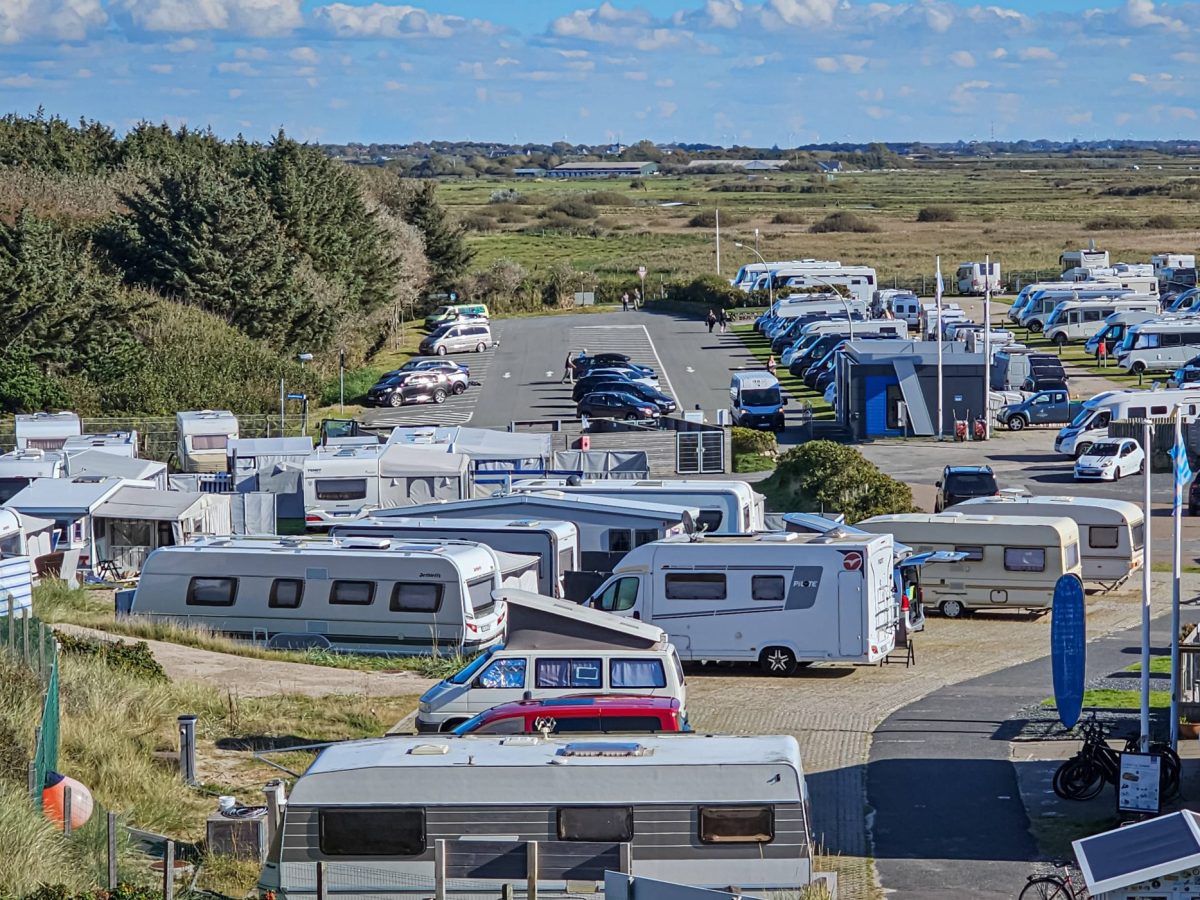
<point>54,799</point>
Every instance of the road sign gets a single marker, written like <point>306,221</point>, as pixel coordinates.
<point>852,561</point>
<point>641,271</point>
<point>1068,648</point>
<point>297,396</point>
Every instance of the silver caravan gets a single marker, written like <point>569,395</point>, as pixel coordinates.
<point>45,430</point>
<point>978,277</point>
<point>1077,320</point>
<point>1158,346</point>
<point>554,543</point>
<point>20,467</point>
<point>352,595</point>
<point>1083,259</point>
<point>395,816</point>
<point>118,443</point>
<point>777,599</point>
<point>726,507</point>
<point>203,437</point>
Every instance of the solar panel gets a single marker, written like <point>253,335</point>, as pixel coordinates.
<point>1136,848</point>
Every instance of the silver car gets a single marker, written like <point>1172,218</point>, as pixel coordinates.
<point>458,337</point>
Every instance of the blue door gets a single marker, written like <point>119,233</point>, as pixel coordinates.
<point>879,421</point>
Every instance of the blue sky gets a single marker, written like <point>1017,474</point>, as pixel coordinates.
<point>722,71</point>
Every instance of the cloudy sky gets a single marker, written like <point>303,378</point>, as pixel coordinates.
<point>723,71</point>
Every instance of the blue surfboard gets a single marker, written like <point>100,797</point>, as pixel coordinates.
<point>1068,648</point>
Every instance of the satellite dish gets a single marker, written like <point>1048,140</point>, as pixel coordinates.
<point>689,524</point>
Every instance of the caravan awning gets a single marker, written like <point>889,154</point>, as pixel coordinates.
<point>403,461</point>
<point>63,497</point>
<point>147,503</point>
<point>110,465</point>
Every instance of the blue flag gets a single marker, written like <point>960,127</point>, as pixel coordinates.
<point>1183,470</point>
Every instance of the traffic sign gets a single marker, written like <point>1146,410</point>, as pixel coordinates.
<point>852,561</point>
<point>1068,648</point>
<point>641,271</point>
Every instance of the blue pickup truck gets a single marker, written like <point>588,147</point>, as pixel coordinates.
<point>1052,407</point>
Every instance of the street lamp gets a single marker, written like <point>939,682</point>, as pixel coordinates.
<point>770,277</point>
<point>841,299</point>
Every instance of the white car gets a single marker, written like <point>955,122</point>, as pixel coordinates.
<point>1110,460</point>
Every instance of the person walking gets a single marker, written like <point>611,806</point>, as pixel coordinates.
<point>771,365</point>
<point>637,298</point>
<point>711,319</point>
<point>568,376</point>
<point>625,302</point>
<point>723,320</point>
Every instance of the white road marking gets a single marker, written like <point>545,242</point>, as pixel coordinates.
<point>626,339</point>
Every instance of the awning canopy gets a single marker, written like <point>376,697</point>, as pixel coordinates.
<point>149,504</point>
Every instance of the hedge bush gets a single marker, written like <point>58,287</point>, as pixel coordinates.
<point>789,217</point>
<point>134,658</point>
<point>824,476</point>
<point>843,222</point>
<point>753,441</point>
<point>937,214</point>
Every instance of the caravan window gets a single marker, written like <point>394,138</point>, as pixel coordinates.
<point>1024,559</point>
<point>1072,555</point>
<point>212,591</point>
<point>568,673</point>
<point>1104,537</point>
<point>608,824</point>
<point>480,592</point>
<point>286,593</point>
<point>618,596</point>
<point>341,488</point>
<point>419,597</point>
<point>395,831</point>
<point>209,441</point>
<point>767,587</point>
<point>620,540</point>
<point>352,593</point>
<point>645,536</point>
<point>974,554</point>
<point>1138,535</point>
<point>737,824</point>
<point>636,673</point>
<point>696,586</point>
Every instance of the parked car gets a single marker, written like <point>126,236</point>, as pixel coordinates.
<point>959,483</point>
<point>636,388</point>
<point>633,370</point>
<point>458,376</point>
<point>1043,408</point>
<point>1111,460</point>
<point>422,362</point>
<point>621,374</point>
<point>458,337</point>
<point>602,361</point>
<point>411,387</point>
<point>614,405</point>
<point>587,713</point>
<point>454,313</point>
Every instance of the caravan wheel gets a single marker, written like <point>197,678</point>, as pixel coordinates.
<point>778,661</point>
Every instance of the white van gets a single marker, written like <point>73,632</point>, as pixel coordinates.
<point>1158,346</point>
<point>1077,320</point>
<point>778,599</point>
<point>556,648</point>
<point>756,401</point>
<point>1112,532</point>
<point>1091,424</point>
<point>907,309</point>
<point>1012,562</point>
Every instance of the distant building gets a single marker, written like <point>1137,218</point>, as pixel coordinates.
<point>750,165</point>
<point>530,173</point>
<point>603,170</point>
<point>830,166</point>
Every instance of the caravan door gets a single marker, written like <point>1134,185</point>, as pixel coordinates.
<point>850,614</point>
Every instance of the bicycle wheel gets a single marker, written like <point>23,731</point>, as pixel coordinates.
<point>1046,887</point>
<point>1079,778</point>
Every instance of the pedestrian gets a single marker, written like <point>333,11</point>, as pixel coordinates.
<point>1102,354</point>
<point>625,302</point>
<point>568,376</point>
<point>711,320</point>
<point>771,365</point>
<point>637,298</point>
<point>723,320</point>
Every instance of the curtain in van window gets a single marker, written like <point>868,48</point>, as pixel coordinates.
<point>568,673</point>
<point>637,673</point>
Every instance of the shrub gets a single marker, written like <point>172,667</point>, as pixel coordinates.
<point>506,195</point>
<point>823,476</point>
<point>607,198</point>
<point>843,221</point>
<point>478,221</point>
<point>707,218</point>
<point>710,290</point>
<point>1107,223</point>
<point>937,214</point>
<point>753,441</point>
<point>134,658</point>
<point>571,207</point>
<point>789,217</point>
<point>1163,221</point>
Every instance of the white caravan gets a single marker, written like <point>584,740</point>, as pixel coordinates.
<point>391,817</point>
<point>1012,562</point>
<point>203,437</point>
<point>1158,346</point>
<point>860,281</point>
<point>1077,320</point>
<point>978,277</point>
<point>20,467</point>
<point>748,274</point>
<point>1091,423</point>
<point>554,543</point>
<point>1083,259</point>
<point>118,443</point>
<point>777,599</point>
<point>353,595</point>
<point>726,507</point>
<point>1162,261</point>
<point>45,430</point>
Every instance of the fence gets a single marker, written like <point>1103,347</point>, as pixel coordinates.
<point>31,643</point>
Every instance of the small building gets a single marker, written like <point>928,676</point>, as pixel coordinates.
<point>530,173</point>
<point>889,388</point>
<point>1151,860</point>
<point>603,170</point>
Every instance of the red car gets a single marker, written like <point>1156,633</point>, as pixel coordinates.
<point>595,713</point>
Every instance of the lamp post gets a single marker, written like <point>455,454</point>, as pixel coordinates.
<point>841,299</point>
<point>770,277</point>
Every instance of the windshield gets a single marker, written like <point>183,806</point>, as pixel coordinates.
<point>973,482</point>
<point>463,676</point>
<point>1104,448</point>
<point>1082,418</point>
<point>761,396</point>
<point>1055,317</point>
<point>1127,340</point>
<point>441,311</point>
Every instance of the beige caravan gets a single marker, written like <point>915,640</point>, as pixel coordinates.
<point>1012,562</point>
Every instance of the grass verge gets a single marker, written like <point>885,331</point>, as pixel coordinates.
<point>753,462</point>
<point>1106,698</point>
<point>1159,665</point>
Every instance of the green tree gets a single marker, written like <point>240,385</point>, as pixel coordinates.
<point>825,476</point>
<point>445,240</point>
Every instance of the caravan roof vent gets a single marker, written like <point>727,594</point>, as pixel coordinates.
<point>521,740</point>
<point>594,749</point>
<point>779,537</point>
<point>429,750</point>
<point>523,523</point>
<point>366,543</point>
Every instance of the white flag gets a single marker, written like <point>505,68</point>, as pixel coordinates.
<point>940,285</point>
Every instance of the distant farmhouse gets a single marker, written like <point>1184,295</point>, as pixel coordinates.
<point>750,165</point>
<point>603,170</point>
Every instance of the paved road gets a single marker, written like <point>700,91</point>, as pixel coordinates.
<point>948,818</point>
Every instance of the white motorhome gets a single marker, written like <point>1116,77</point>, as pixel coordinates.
<point>726,507</point>
<point>1158,346</point>
<point>554,543</point>
<point>1025,296</point>
<point>748,274</point>
<point>342,484</point>
<point>1162,261</point>
<point>1113,329</point>
<point>1137,278</point>
<point>1077,320</point>
<point>20,467</point>
<point>777,599</point>
<point>860,281</point>
<point>978,277</point>
<point>1111,532</point>
<point>1085,259</point>
<point>1042,304</point>
<point>1012,562</point>
<point>387,815</point>
<point>1091,423</point>
<point>203,437</point>
<point>372,595</point>
<point>45,430</point>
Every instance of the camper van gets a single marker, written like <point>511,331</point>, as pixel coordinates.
<point>1111,532</point>
<point>1158,346</point>
<point>1012,562</point>
<point>756,401</point>
<point>354,595</point>
<point>204,436</point>
<point>776,599</point>
<point>1113,330</point>
<point>1091,424</point>
<point>726,507</point>
<point>748,274</point>
<point>384,814</point>
<point>810,334</point>
<point>1025,296</point>
<point>1043,303</point>
<point>556,648</point>
<point>978,277</point>
<point>45,430</point>
<point>1077,320</point>
<point>1083,259</point>
<point>554,543</point>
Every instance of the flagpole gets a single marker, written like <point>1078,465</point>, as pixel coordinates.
<point>1147,433</point>
<point>939,349</point>
<point>1181,468</point>
<point>987,348</point>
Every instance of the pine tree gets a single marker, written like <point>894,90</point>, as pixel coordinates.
<point>445,240</point>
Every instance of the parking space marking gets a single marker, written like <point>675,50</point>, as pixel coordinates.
<point>632,340</point>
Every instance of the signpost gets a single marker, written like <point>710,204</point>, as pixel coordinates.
<point>1068,648</point>
<point>642,276</point>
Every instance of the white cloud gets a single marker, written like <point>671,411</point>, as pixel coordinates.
<point>393,86</point>
<point>1036,53</point>
<point>25,80</point>
<point>826,63</point>
<point>236,68</point>
<point>380,20</point>
<point>962,98</point>
<point>234,93</point>
<point>848,62</point>
<point>1138,78</point>
<point>83,73</point>
<point>875,112</point>
<point>608,25</point>
<point>250,53</point>
<point>666,108</point>
<point>665,83</point>
<point>183,45</point>
<point>63,20</point>
<point>636,76</point>
<point>584,112</point>
<point>724,13</point>
<point>162,69</point>
<point>1142,14</point>
<point>806,13</point>
<point>250,17</point>
<point>998,53</point>
<point>502,61</point>
<point>962,59</point>
<point>305,55</point>
<point>1182,112</point>
<point>1079,118</point>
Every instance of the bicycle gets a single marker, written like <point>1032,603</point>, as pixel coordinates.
<point>1084,775</point>
<point>1054,887</point>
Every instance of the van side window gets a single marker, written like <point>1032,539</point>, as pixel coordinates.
<point>630,724</point>
<point>513,725</point>
<point>352,593</point>
<point>618,596</point>
<point>418,597</point>
<point>620,540</point>
<point>1024,559</point>
<point>372,832</point>
<point>636,673</point>
<point>737,824</point>
<point>286,593</point>
<point>607,824</point>
<point>644,536</point>
<point>204,591</point>
<point>503,673</point>
<point>974,554</point>
<point>341,488</point>
<point>568,673</point>
<point>767,587</point>
<point>1103,537</point>
<point>696,586</point>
